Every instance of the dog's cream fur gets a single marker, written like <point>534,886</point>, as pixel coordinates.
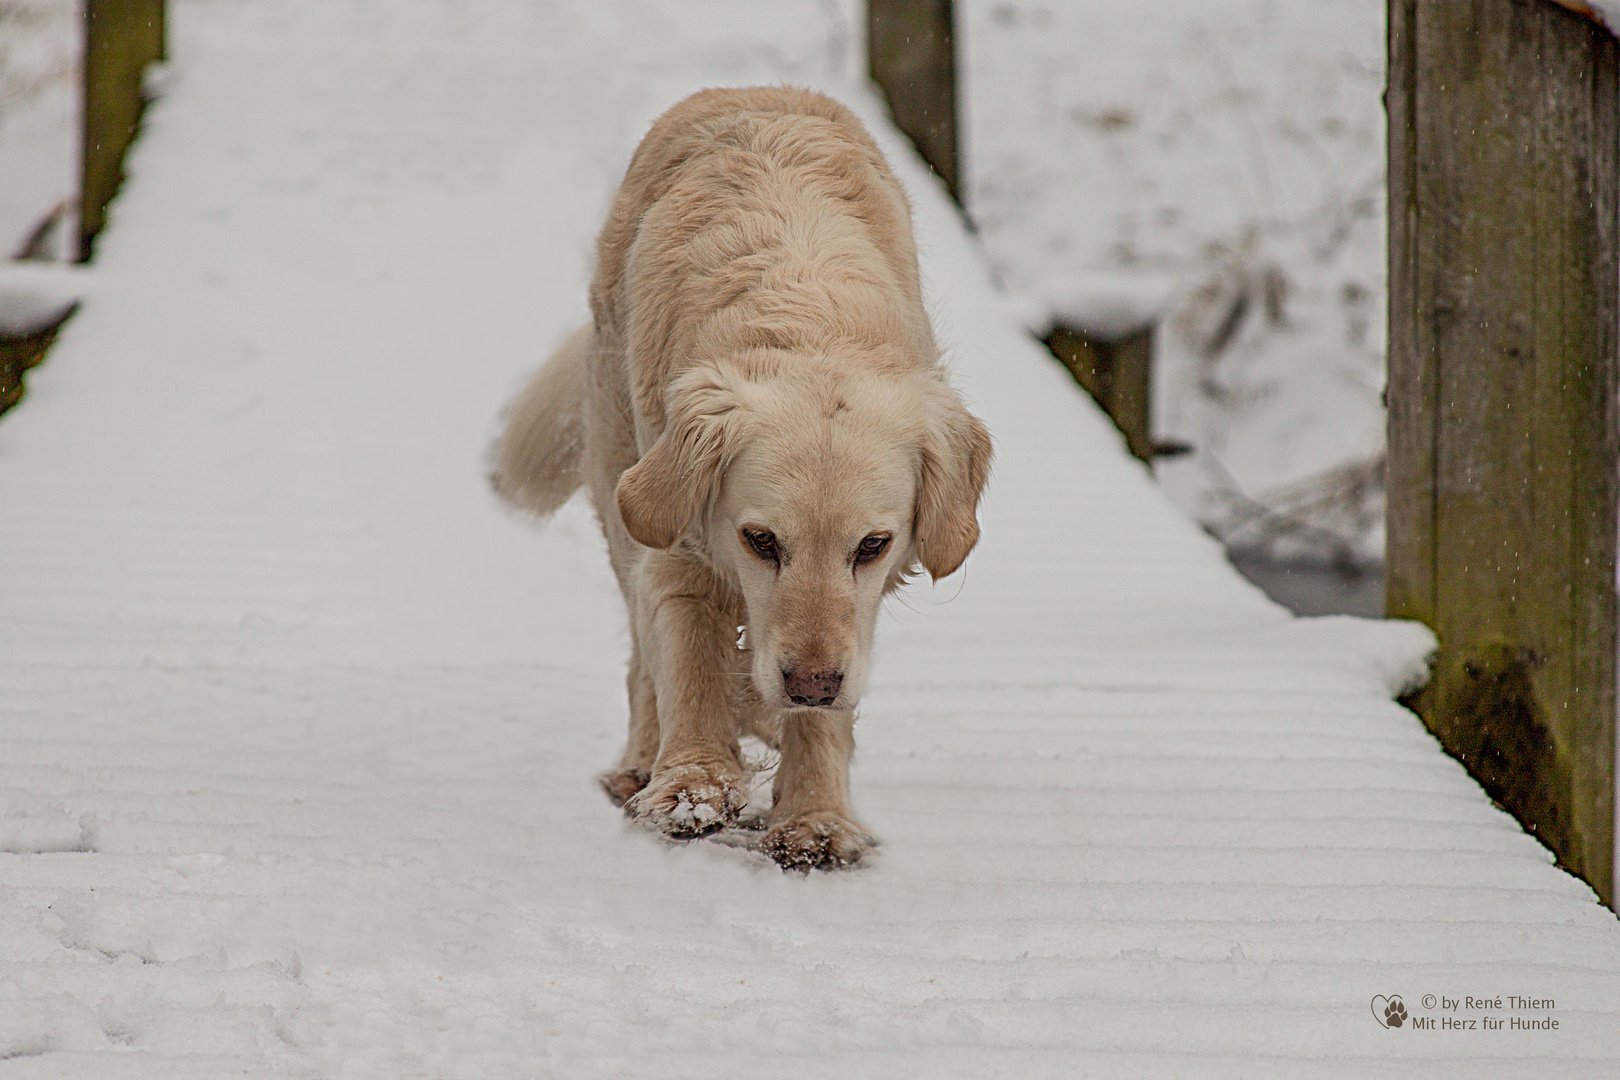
<point>759,365</point>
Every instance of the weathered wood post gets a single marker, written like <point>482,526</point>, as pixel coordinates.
<point>911,54</point>
<point>121,37</point>
<point>1118,372</point>
<point>1504,299</point>
<point>19,353</point>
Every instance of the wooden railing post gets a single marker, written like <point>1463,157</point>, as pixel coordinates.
<point>1118,372</point>
<point>121,37</point>
<point>911,54</point>
<point>1504,301</point>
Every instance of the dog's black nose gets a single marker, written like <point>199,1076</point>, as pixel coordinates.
<point>813,688</point>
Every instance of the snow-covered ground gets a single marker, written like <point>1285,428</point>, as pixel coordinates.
<point>1221,163</point>
<point>297,728</point>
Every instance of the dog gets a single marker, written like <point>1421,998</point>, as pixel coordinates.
<point>760,414</point>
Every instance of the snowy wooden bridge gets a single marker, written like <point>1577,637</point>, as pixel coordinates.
<point>297,728</point>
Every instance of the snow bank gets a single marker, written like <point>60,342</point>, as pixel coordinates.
<point>1106,305</point>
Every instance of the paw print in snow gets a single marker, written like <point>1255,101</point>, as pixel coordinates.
<point>1395,1012</point>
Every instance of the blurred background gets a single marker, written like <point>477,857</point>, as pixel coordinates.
<point>1207,173</point>
<point>1215,169</point>
<point>40,46</point>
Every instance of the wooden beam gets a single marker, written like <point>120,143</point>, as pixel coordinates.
<point>121,37</point>
<point>911,54</point>
<point>1504,201</point>
<point>23,351</point>
<point>1118,373</point>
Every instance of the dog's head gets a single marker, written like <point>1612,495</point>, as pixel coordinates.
<point>815,494</point>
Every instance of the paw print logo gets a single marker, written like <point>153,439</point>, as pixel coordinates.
<point>1389,1011</point>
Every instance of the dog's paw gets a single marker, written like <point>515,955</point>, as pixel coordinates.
<point>690,800</point>
<point>824,840</point>
<point>621,785</point>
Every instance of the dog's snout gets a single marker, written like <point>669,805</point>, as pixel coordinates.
<point>814,688</point>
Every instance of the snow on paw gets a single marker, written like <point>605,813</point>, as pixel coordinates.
<point>622,785</point>
<point>819,841</point>
<point>690,800</point>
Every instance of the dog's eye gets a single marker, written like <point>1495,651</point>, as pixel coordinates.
<point>763,544</point>
<point>872,547</point>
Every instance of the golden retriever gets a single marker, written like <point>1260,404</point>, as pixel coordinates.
<point>760,414</point>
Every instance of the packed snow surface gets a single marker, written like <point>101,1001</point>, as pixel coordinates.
<point>300,727</point>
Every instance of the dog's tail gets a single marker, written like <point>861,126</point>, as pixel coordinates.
<point>536,459</point>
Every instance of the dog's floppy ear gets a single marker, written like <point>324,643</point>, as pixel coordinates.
<point>679,476</point>
<point>954,467</point>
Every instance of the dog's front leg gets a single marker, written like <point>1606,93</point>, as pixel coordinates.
<point>697,783</point>
<point>811,826</point>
